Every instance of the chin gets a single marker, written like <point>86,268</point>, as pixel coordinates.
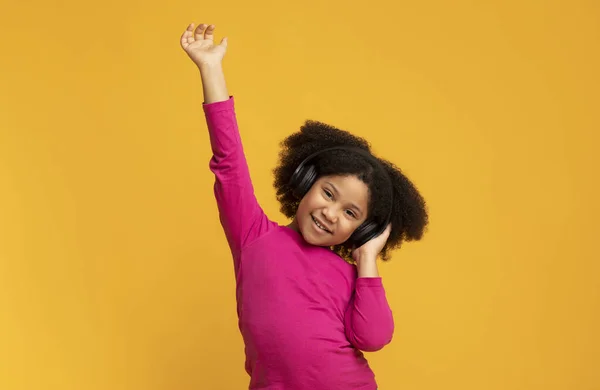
<point>305,231</point>
<point>311,239</point>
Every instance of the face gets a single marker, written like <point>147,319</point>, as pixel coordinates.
<point>331,210</point>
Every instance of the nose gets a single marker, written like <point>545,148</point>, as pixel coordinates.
<point>330,214</point>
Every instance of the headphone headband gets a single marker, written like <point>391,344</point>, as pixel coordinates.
<point>350,148</point>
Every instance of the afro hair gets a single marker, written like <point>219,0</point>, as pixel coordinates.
<point>408,209</point>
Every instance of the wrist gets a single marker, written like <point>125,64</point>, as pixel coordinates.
<point>367,267</point>
<point>209,66</point>
<point>214,86</point>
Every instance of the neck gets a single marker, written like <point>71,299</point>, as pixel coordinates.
<point>294,225</point>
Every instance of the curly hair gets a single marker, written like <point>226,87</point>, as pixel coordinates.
<point>408,209</point>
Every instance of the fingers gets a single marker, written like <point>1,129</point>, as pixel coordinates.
<point>209,33</point>
<point>386,232</point>
<point>204,31</point>
<point>199,33</point>
<point>187,34</point>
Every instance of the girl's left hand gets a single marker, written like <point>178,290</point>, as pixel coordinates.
<point>371,249</point>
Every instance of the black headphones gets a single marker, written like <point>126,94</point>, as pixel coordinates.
<point>307,173</point>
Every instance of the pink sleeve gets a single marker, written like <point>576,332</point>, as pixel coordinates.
<point>369,321</point>
<point>241,216</point>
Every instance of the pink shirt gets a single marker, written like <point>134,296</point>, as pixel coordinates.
<point>303,313</point>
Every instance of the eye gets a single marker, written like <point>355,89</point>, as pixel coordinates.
<point>351,213</point>
<point>328,194</point>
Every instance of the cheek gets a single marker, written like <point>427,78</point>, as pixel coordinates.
<point>346,229</point>
<point>304,208</point>
<point>309,202</point>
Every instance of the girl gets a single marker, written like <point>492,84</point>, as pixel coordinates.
<point>309,296</point>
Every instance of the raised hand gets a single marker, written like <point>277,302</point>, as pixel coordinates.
<point>366,255</point>
<point>199,45</point>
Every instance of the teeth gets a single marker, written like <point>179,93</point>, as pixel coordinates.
<point>318,224</point>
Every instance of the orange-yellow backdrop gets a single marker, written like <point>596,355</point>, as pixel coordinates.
<point>114,273</point>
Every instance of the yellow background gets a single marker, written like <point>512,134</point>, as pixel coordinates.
<point>114,273</point>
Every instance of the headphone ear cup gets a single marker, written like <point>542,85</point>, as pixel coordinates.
<point>364,233</point>
<point>303,180</point>
<point>295,181</point>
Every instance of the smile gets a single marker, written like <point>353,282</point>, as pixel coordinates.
<point>319,225</point>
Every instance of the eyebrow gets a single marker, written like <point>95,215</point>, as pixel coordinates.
<point>337,192</point>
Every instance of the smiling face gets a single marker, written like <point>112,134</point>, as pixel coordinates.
<point>331,210</point>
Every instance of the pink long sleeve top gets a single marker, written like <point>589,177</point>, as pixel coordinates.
<point>303,313</point>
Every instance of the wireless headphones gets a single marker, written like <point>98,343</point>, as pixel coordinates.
<point>307,173</point>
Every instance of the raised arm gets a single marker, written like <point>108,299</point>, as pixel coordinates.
<point>241,216</point>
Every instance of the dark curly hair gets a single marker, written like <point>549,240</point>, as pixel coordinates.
<point>409,214</point>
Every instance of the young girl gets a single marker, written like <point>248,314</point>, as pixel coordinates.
<point>309,297</point>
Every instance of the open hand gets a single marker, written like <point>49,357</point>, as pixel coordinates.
<point>199,45</point>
